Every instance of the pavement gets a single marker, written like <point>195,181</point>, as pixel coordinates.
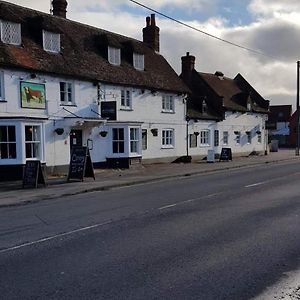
<point>12,193</point>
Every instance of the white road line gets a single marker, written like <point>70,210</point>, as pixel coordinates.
<point>167,206</point>
<point>53,237</point>
<point>256,184</point>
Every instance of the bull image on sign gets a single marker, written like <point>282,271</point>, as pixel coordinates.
<point>32,95</point>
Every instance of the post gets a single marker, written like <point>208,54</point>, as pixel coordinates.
<point>297,111</point>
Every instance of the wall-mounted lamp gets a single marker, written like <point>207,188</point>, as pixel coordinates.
<point>32,75</point>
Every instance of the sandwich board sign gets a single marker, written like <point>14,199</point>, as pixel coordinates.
<point>80,164</point>
<point>33,174</point>
<point>226,154</point>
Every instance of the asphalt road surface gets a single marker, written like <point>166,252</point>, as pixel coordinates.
<point>226,235</point>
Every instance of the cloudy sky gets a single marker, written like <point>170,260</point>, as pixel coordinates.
<point>268,26</point>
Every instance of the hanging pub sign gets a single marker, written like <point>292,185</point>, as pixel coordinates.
<point>109,110</point>
<point>33,174</point>
<point>80,164</point>
<point>33,95</point>
<point>226,154</point>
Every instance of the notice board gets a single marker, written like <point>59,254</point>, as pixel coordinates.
<point>226,154</point>
<point>33,174</point>
<point>80,164</point>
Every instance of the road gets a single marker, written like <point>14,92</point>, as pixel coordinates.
<point>225,235</point>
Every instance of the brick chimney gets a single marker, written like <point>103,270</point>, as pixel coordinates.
<point>187,67</point>
<point>151,33</point>
<point>59,8</point>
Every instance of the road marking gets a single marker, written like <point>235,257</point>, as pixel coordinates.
<point>54,237</point>
<point>256,184</point>
<point>188,201</point>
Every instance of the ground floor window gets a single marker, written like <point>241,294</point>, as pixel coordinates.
<point>134,140</point>
<point>259,137</point>
<point>237,137</point>
<point>225,137</point>
<point>144,139</point>
<point>33,141</point>
<point>168,138</point>
<point>216,138</point>
<point>8,145</point>
<point>248,134</point>
<point>204,137</point>
<point>118,140</point>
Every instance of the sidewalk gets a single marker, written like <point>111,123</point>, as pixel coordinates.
<point>13,194</point>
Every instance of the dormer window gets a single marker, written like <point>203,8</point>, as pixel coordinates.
<point>51,41</point>
<point>11,33</point>
<point>114,55</point>
<point>138,61</point>
<point>204,107</point>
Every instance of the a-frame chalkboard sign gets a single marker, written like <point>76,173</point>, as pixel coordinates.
<point>226,154</point>
<point>80,164</point>
<point>33,174</point>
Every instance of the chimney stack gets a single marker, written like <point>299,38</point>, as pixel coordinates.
<point>187,66</point>
<point>59,8</point>
<point>151,33</point>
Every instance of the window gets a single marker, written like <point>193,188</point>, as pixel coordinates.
<point>248,134</point>
<point>1,86</point>
<point>259,137</point>
<point>32,141</point>
<point>8,148</point>
<point>138,61</point>
<point>204,107</point>
<point>216,138</point>
<point>11,33</point>
<point>167,103</point>
<point>225,137</point>
<point>118,140</point>
<point>204,138</point>
<point>134,140</point>
<point>238,137</point>
<point>193,140</point>
<point>66,92</point>
<point>51,41</point>
<point>126,96</point>
<point>168,138</point>
<point>144,139</point>
<point>114,56</point>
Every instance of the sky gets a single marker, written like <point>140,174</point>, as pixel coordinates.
<point>268,26</point>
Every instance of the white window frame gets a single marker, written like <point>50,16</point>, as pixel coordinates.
<point>225,137</point>
<point>249,137</point>
<point>118,141</point>
<point>259,138</point>
<point>11,33</point>
<point>35,142</point>
<point>2,94</point>
<point>139,61</point>
<point>216,138</point>
<point>126,99</point>
<point>167,138</point>
<point>134,134</point>
<point>51,41</point>
<point>205,137</point>
<point>168,103</point>
<point>238,137</point>
<point>114,56</point>
<point>144,139</point>
<point>8,143</point>
<point>66,88</point>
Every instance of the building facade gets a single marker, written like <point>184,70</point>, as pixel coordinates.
<point>66,84</point>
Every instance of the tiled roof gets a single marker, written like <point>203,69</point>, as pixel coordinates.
<point>83,52</point>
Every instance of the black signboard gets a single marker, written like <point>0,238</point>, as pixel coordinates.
<point>33,174</point>
<point>109,110</point>
<point>226,154</point>
<point>80,164</point>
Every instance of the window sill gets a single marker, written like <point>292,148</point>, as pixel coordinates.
<point>68,104</point>
<point>168,112</point>
<point>167,147</point>
<point>204,145</point>
<point>126,109</point>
